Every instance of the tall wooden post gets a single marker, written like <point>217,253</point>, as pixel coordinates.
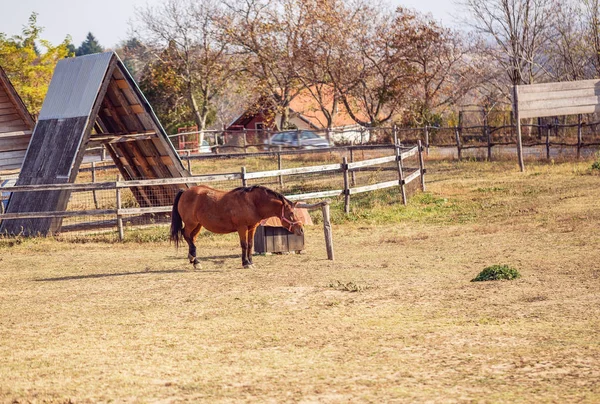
<point>518,127</point>
<point>346,186</point>
<point>458,145</point>
<point>243,173</point>
<point>189,162</point>
<point>426,130</point>
<point>421,165</point>
<point>280,167</point>
<point>401,175</point>
<point>487,133</point>
<point>119,216</point>
<point>94,180</point>
<point>352,173</point>
<point>327,231</point>
<point>579,135</point>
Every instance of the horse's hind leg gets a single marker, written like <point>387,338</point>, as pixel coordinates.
<point>191,240</point>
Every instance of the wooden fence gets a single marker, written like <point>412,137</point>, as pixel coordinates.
<point>576,135</point>
<point>405,175</point>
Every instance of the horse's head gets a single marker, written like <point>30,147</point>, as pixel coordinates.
<point>289,219</point>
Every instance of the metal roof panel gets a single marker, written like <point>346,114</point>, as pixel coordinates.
<point>74,86</point>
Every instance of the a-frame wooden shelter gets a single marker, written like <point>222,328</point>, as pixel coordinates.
<point>92,98</point>
<point>16,126</point>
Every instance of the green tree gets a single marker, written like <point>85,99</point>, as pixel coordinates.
<point>89,46</point>
<point>29,68</point>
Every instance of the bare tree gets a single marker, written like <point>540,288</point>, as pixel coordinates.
<point>269,37</point>
<point>199,57</point>
<point>519,28</point>
<point>592,32</point>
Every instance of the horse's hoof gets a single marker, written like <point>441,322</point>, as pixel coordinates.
<point>249,266</point>
<point>197,265</point>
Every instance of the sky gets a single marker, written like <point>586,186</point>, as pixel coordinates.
<point>109,20</point>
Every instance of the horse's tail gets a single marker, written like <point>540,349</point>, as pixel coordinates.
<point>176,222</point>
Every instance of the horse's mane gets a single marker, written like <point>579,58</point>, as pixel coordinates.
<point>269,191</point>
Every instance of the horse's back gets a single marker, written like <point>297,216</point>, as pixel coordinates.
<point>216,210</point>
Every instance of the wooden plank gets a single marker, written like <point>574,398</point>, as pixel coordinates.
<point>96,186</point>
<point>12,126</point>
<point>371,162</point>
<point>15,134</point>
<point>542,96</point>
<point>539,113</point>
<point>314,195</point>
<point>10,118</point>
<point>180,180</point>
<point>409,153</point>
<point>561,86</point>
<point>151,209</point>
<point>292,171</point>
<point>558,103</point>
<point>260,245</point>
<point>13,154</point>
<point>11,164</point>
<point>412,177</point>
<point>121,83</point>
<point>137,109</point>
<point>55,214</point>
<point>367,188</point>
<point>7,108</point>
<point>12,144</point>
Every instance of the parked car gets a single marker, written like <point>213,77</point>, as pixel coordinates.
<point>308,140</point>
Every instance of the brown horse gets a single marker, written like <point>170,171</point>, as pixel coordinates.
<point>240,209</point>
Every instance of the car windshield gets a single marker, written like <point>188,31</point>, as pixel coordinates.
<point>277,138</point>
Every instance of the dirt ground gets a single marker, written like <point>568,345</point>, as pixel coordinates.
<point>394,318</point>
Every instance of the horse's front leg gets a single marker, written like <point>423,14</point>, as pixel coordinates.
<point>243,233</point>
<point>251,231</point>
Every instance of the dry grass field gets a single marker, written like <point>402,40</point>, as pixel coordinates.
<point>394,319</point>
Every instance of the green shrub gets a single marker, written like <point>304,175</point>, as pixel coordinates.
<point>497,272</point>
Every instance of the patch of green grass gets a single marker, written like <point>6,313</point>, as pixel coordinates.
<point>497,272</point>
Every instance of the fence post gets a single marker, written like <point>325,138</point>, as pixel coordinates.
<point>94,180</point>
<point>298,138</point>
<point>548,141</point>
<point>346,186</point>
<point>426,129</point>
<point>352,173</point>
<point>280,167</point>
<point>244,181</point>
<point>189,163</point>
<point>395,134</point>
<point>421,165</point>
<point>119,206</point>
<point>579,135</point>
<point>400,174</point>
<point>458,146</point>
<point>488,135</point>
<point>327,231</point>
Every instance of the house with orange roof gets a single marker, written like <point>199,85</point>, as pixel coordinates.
<point>305,114</point>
